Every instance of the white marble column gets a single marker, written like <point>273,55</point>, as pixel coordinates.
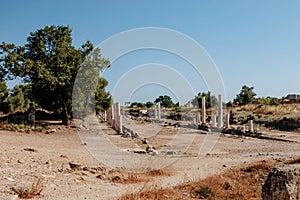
<point>220,117</point>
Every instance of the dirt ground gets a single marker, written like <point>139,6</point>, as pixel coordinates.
<point>66,167</point>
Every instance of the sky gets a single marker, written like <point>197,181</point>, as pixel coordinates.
<point>250,42</point>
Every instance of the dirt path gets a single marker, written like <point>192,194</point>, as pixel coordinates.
<point>26,157</point>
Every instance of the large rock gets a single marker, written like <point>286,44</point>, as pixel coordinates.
<point>283,183</point>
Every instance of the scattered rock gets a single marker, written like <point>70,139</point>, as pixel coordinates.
<point>144,141</point>
<point>51,131</point>
<point>116,179</point>
<point>75,166</point>
<point>85,168</point>
<point>283,183</point>
<point>140,151</point>
<point>149,148</point>
<point>10,179</point>
<point>170,152</point>
<point>63,156</point>
<point>30,149</point>
<point>101,176</point>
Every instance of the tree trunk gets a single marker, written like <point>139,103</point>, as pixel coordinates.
<point>65,116</point>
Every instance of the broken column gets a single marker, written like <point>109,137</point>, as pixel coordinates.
<point>203,110</point>
<point>227,118</point>
<point>250,126</point>
<point>220,117</point>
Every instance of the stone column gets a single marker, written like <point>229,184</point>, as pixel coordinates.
<point>109,117</point>
<point>198,118</point>
<point>158,111</point>
<point>203,110</point>
<point>105,116</point>
<point>155,112</point>
<point>214,121</point>
<point>115,116</point>
<point>227,117</point>
<point>119,118</point>
<point>220,118</point>
<point>250,126</point>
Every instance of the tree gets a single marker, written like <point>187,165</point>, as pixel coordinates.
<point>210,100</point>
<point>49,63</point>
<point>165,101</point>
<point>9,59</point>
<point>137,105</point>
<point>246,96</point>
<point>103,99</point>
<point>20,98</point>
<point>149,104</point>
<point>270,101</point>
<point>3,97</point>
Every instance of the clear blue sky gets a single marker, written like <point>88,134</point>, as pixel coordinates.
<point>252,42</point>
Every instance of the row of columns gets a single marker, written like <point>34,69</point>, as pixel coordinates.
<point>218,124</point>
<point>114,117</point>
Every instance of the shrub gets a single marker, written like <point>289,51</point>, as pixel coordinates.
<point>204,191</point>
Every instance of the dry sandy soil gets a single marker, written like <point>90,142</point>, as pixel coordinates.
<point>28,158</point>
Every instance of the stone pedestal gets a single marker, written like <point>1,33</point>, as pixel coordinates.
<point>250,126</point>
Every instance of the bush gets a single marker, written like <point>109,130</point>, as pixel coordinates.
<point>204,191</point>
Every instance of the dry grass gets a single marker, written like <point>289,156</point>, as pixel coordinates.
<point>149,192</point>
<point>238,183</point>
<point>27,193</point>
<point>281,109</point>
<point>131,178</point>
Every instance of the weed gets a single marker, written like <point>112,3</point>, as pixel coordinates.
<point>204,191</point>
<point>28,193</point>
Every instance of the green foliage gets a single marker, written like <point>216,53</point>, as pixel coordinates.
<point>20,98</point>
<point>204,191</point>
<point>246,96</point>
<point>103,99</point>
<point>3,97</point>
<point>10,58</point>
<point>49,63</point>
<point>210,100</point>
<point>270,101</point>
<point>89,90</point>
<point>165,101</point>
<point>137,105</point>
<point>149,104</point>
